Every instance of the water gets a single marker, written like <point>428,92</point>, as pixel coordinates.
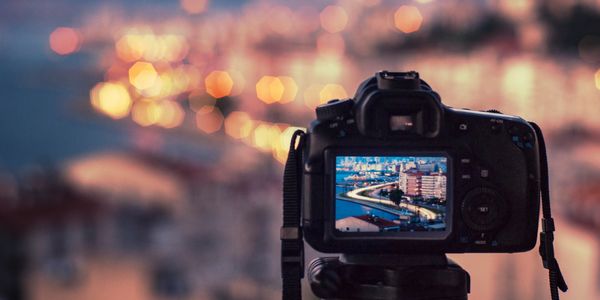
<point>344,209</point>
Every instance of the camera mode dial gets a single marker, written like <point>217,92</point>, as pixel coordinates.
<point>483,209</point>
<point>333,109</point>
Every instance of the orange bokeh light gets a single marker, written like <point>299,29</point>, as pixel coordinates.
<point>271,89</point>
<point>597,79</point>
<point>238,124</point>
<point>112,99</point>
<point>333,18</point>
<point>64,40</point>
<point>145,112</point>
<point>210,121</point>
<point>218,84</point>
<point>194,6</point>
<point>171,114</point>
<point>290,89</point>
<point>332,91</point>
<point>265,136</point>
<point>134,46</point>
<point>142,75</point>
<point>408,19</point>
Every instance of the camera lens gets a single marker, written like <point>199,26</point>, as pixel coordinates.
<point>483,209</point>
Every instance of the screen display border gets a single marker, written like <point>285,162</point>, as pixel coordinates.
<point>331,158</point>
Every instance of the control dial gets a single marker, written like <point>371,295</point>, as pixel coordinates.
<point>483,209</point>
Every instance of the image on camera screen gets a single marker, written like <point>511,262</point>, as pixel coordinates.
<point>390,193</point>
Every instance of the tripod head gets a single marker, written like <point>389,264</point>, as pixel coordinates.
<point>382,277</point>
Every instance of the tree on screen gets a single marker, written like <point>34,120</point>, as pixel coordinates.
<point>396,196</point>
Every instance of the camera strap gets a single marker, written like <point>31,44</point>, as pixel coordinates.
<point>557,280</point>
<point>292,244</point>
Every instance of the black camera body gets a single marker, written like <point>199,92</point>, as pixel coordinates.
<point>396,171</point>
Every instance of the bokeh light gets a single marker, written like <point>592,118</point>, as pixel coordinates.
<point>408,19</point>
<point>238,124</point>
<point>269,89</point>
<point>218,84</point>
<point>146,112</point>
<point>148,46</point>
<point>265,135</point>
<point>312,95</point>
<point>194,6</point>
<point>64,40</point>
<point>597,79</point>
<point>290,89</point>
<point>332,91</point>
<point>142,75</point>
<point>209,120</point>
<point>112,99</point>
<point>171,114</point>
<point>333,18</point>
<point>130,47</point>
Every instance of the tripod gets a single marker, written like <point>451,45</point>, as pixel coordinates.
<point>384,277</point>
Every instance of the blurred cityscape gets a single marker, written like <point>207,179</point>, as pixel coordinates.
<point>142,141</point>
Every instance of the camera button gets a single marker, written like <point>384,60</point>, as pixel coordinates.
<point>465,168</point>
<point>484,173</point>
<point>513,130</point>
<point>496,125</point>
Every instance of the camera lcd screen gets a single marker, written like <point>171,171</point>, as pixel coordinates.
<point>375,194</point>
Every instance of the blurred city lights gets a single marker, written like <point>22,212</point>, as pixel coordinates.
<point>518,82</point>
<point>333,18</point>
<point>282,89</point>
<point>517,9</point>
<point>290,89</point>
<point>408,19</point>
<point>269,89</point>
<point>218,84</point>
<point>238,124</point>
<point>328,67</point>
<point>209,121</point>
<point>111,98</point>
<point>146,112</point>
<point>64,40</point>
<point>133,46</point>
<point>312,95</point>
<point>171,114</point>
<point>130,47</point>
<point>330,43</point>
<point>142,75</point>
<point>332,91</point>
<point>266,136</point>
<point>194,6</point>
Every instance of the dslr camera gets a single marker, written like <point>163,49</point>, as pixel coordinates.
<point>394,170</point>
<point>394,179</point>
